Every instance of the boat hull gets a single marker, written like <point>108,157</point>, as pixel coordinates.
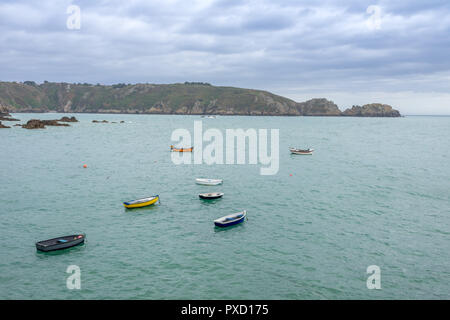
<point>173,149</point>
<point>140,205</point>
<point>229,224</point>
<point>223,223</point>
<point>209,182</point>
<point>207,197</point>
<point>301,152</point>
<point>58,246</point>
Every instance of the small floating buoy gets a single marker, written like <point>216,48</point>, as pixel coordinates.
<point>84,165</point>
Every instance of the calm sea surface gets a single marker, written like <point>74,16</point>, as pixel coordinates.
<point>375,192</point>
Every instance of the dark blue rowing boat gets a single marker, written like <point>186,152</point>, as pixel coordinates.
<point>231,219</point>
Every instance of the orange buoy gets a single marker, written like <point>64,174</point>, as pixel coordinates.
<point>84,165</point>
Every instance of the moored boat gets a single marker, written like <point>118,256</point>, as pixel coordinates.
<point>60,242</point>
<point>301,151</point>
<point>141,202</point>
<point>210,196</point>
<point>208,182</point>
<point>231,219</point>
<point>173,149</point>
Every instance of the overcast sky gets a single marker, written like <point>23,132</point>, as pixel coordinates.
<point>395,52</point>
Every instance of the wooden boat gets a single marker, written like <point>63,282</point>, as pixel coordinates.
<point>231,219</point>
<point>141,202</point>
<point>210,196</point>
<point>60,242</point>
<point>301,151</point>
<point>173,149</point>
<point>208,182</point>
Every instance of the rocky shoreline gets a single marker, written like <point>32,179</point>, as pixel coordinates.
<point>3,126</point>
<point>369,110</point>
<point>5,116</point>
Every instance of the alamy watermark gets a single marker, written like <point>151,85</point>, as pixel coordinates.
<point>73,21</point>
<point>374,21</point>
<point>374,280</point>
<point>74,280</point>
<point>209,147</point>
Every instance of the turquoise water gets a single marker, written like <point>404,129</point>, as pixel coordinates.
<point>375,192</point>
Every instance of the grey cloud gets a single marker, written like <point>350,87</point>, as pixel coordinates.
<point>256,44</point>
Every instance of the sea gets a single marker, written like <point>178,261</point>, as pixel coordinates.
<point>375,195</point>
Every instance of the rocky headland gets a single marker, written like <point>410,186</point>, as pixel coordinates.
<point>190,98</point>
<point>371,110</point>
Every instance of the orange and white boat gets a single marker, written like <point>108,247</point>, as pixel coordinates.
<point>173,149</point>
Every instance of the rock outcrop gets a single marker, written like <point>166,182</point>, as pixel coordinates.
<point>67,119</point>
<point>40,124</point>
<point>34,124</point>
<point>54,123</point>
<point>372,110</point>
<point>3,126</point>
<point>8,119</point>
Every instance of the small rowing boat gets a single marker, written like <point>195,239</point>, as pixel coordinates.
<point>141,202</point>
<point>208,182</point>
<point>210,196</point>
<point>231,219</point>
<point>173,149</point>
<point>301,151</point>
<point>60,242</point>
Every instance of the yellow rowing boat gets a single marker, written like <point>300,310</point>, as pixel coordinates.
<point>141,202</point>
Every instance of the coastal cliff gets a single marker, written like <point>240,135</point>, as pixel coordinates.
<point>181,98</point>
<point>372,110</point>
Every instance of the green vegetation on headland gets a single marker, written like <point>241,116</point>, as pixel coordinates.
<point>195,98</point>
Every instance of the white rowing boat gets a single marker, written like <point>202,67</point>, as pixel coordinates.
<point>208,182</point>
